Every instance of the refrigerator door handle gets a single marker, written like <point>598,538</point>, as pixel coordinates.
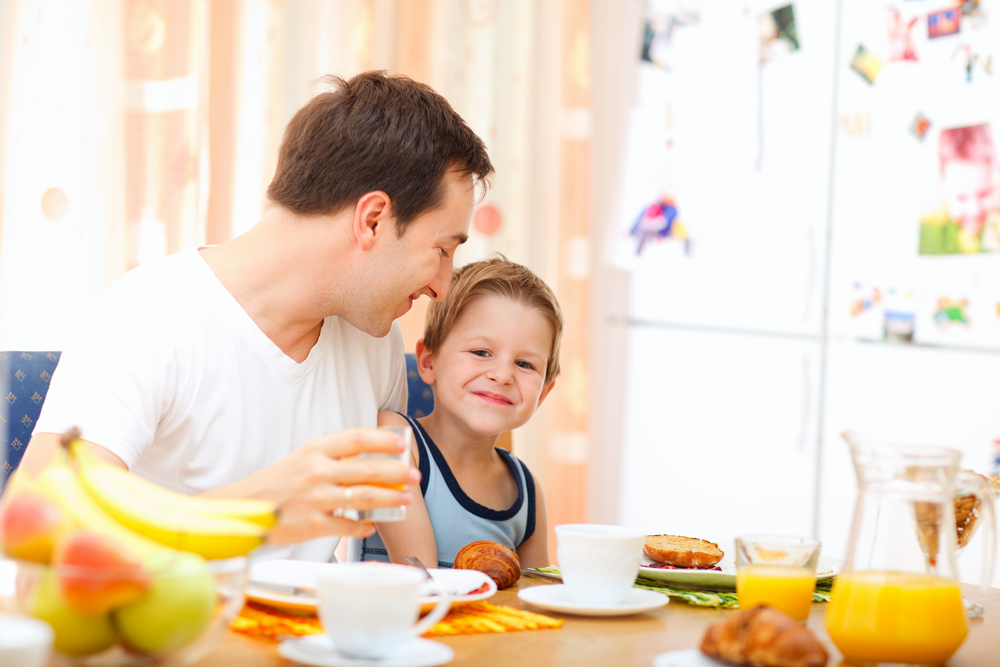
<point>806,409</point>
<point>811,279</point>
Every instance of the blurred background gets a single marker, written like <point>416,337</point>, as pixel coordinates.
<point>767,222</point>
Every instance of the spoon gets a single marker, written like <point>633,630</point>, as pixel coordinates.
<point>415,562</point>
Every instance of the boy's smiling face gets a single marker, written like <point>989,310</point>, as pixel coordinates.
<point>490,370</point>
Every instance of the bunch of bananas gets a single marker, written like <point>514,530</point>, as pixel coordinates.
<point>126,559</point>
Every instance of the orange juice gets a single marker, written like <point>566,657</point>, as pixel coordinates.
<point>896,617</point>
<point>790,589</point>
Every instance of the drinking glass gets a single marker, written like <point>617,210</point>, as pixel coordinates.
<point>777,570</point>
<point>380,514</point>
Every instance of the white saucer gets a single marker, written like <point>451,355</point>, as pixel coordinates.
<point>318,650</point>
<point>556,598</point>
<point>691,657</point>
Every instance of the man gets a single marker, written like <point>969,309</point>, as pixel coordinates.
<point>244,369</point>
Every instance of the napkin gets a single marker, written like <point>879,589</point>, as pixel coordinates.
<point>263,622</point>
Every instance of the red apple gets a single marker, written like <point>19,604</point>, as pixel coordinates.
<point>29,527</point>
<point>97,573</point>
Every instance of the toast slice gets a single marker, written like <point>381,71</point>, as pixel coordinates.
<point>682,551</point>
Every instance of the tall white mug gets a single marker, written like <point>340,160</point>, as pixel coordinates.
<point>598,563</point>
<point>370,609</point>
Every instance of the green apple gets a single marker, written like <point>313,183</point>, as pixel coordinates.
<point>76,633</point>
<point>176,609</point>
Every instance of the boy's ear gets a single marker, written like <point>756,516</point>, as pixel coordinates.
<point>545,392</point>
<point>372,215</point>
<point>425,363</point>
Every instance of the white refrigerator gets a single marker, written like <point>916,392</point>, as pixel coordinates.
<point>753,345</point>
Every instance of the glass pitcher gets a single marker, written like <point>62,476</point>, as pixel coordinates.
<point>897,598</point>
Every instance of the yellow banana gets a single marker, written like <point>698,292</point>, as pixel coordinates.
<point>261,512</point>
<point>178,523</point>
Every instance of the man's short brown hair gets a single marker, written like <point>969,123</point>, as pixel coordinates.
<point>496,277</point>
<point>374,132</point>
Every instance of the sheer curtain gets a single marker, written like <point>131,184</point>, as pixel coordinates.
<point>131,129</point>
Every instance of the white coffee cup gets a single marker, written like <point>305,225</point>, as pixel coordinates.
<point>370,609</point>
<point>598,563</point>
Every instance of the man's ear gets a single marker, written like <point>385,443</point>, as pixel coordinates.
<point>425,363</point>
<point>372,216</point>
<point>545,392</point>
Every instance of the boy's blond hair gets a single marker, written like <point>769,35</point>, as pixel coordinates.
<point>496,277</point>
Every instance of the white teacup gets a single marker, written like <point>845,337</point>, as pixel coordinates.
<point>370,609</point>
<point>598,563</point>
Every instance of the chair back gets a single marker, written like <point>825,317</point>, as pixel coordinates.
<point>421,398</point>
<point>24,381</point>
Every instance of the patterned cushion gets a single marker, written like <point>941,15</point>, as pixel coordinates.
<point>24,381</point>
<point>421,401</point>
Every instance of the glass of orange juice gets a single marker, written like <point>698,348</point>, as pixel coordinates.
<point>381,514</point>
<point>777,570</point>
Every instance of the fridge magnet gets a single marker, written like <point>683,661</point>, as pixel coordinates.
<point>900,33</point>
<point>898,327</point>
<point>659,222</point>
<point>919,126</point>
<point>855,124</point>
<point>778,33</point>
<point>866,64</point>
<point>863,304</point>
<point>658,24</point>
<point>966,163</point>
<point>943,23</point>
<point>950,311</point>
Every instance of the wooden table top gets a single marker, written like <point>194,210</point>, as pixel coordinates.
<point>628,640</point>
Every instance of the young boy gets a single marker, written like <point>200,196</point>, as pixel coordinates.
<point>491,355</point>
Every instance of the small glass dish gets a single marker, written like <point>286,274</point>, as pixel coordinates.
<point>191,610</point>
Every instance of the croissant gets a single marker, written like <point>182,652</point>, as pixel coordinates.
<point>765,637</point>
<point>496,560</point>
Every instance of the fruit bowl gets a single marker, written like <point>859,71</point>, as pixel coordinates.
<point>184,609</point>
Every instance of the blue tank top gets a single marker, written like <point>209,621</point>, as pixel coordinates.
<point>456,519</point>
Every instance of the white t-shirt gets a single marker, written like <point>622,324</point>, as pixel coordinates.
<point>172,375</point>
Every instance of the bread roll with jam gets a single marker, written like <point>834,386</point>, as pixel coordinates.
<point>682,551</point>
<point>500,563</point>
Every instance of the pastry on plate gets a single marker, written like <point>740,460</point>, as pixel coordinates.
<point>765,637</point>
<point>688,552</point>
<point>500,563</point>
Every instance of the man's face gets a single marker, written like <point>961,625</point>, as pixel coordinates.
<point>419,262</point>
<point>969,192</point>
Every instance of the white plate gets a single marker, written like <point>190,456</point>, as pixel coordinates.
<point>318,650</point>
<point>555,597</point>
<point>687,658</point>
<point>712,580</point>
<point>305,574</point>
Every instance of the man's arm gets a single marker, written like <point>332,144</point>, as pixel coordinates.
<point>307,485</point>
<point>43,447</point>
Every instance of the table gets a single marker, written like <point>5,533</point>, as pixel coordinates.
<point>629,640</point>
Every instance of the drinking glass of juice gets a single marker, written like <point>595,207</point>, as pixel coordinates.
<point>777,570</point>
<point>380,514</point>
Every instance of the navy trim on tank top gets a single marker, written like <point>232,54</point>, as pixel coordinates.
<point>529,529</point>
<point>464,500</point>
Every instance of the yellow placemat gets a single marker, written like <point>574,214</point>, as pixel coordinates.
<point>262,622</point>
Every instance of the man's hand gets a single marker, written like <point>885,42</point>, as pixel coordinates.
<point>323,476</point>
